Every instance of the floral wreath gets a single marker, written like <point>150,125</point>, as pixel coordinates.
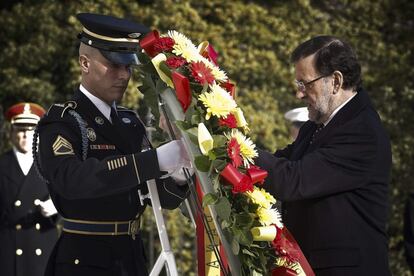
<point>217,125</point>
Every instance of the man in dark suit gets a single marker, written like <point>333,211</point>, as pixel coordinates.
<point>333,179</point>
<point>97,159</point>
<point>27,215</point>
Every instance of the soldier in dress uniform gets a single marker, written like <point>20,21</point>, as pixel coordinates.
<point>27,215</point>
<point>97,159</point>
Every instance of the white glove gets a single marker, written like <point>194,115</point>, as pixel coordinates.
<point>179,175</point>
<point>47,208</point>
<point>173,156</point>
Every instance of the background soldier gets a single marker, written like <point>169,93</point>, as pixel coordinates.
<point>27,215</point>
<point>96,157</point>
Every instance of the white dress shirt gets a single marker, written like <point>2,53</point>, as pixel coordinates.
<point>102,106</point>
<point>337,110</point>
<point>25,160</point>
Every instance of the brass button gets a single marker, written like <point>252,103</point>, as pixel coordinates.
<point>38,252</point>
<point>37,226</point>
<point>77,261</point>
<point>19,252</point>
<point>17,203</point>
<point>18,226</point>
<point>36,201</point>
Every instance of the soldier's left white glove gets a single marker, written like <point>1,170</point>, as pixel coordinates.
<point>47,208</point>
<point>179,175</point>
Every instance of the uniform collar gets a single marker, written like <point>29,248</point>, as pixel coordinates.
<point>102,106</point>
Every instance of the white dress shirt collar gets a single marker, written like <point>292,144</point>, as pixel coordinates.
<point>337,110</point>
<point>102,106</point>
<point>25,160</point>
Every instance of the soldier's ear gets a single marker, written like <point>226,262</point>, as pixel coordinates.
<point>84,63</point>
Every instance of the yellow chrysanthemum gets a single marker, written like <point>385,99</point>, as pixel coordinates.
<point>269,216</point>
<point>218,102</point>
<point>247,147</point>
<point>261,197</point>
<point>184,47</point>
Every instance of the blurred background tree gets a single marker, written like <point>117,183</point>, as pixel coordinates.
<point>38,62</point>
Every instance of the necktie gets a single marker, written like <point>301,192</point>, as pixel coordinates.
<point>317,131</point>
<point>114,117</point>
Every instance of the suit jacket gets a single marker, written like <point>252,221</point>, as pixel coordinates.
<point>26,237</point>
<point>103,187</point>
<point>335,191</point>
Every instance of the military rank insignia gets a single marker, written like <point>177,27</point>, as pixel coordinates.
<point>61,146</point>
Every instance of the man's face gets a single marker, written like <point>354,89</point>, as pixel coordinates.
<point>317,95</point>
<point>107,81</point>
<point>22,137</point>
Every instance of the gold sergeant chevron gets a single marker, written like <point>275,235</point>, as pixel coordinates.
<point>61,146</point>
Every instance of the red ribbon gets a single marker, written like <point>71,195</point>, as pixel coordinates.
<point>256,174</point>
<point>286,245</point>
<point>182,89</point>
<point>147,43</point>
<point>230,87</point>
<point>240,182</point>
<point>210,54</point>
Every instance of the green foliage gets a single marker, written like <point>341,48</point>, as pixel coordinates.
<point>253,38</point>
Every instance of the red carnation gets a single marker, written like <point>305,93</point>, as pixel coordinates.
<point>230,121</point>
<point>233,151</point>
<point>164,44</point>
<point>175,62</point>
<point>201,73</point>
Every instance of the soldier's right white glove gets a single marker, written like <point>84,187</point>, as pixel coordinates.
<point>172,156</point>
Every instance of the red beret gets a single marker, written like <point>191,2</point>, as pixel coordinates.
<point>25,113</point>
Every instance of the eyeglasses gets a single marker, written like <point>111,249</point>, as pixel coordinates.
<point>301,86</point>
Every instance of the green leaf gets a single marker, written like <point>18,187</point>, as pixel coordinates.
<point>235,247</point>
<point>223,208</point>
<point>243,237</point>
<point>244,220</point>
<point>183,125</point>
<point>202,163</point>
<point>193,135</point>
<point>209,199</point>
<point>220,140</point>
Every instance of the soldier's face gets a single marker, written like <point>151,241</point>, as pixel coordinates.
<point>107,81</point>
<point>22,137</point>
<point>317,95</point>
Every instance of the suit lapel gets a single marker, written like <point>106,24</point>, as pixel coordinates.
<point>14,174</point>
<point>350,110</point>
<point>99,123</point>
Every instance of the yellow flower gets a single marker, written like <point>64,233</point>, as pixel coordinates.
<point>205,141</point>
<point>247,147</point>
<point>269,216</point>
<point>261,197</point>
<point>218,102</point>
<point>184,47</point>
<point>157,61</point>
<point>241,121</point>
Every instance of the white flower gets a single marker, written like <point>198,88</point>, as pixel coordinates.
<point>184,47</point>
<point>247,147</point>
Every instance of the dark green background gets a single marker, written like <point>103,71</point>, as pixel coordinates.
<point>38,50</point>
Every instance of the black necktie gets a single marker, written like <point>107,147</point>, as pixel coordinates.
<point>317,131</point>
<point>114,117</point>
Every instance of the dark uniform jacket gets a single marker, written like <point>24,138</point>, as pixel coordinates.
<point>335,191</point>
<point>103,187</point>
<point>26,237</point>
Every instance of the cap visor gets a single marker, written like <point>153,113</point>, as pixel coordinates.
<point>120,58</point>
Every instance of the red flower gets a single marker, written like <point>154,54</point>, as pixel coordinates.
<point>175,62</point>
<point>233,151</point>
<point>243,186</point>
<point>230,121</point>
<point>201,72</point>
<point>229,87</point>
<point>164,44</point>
